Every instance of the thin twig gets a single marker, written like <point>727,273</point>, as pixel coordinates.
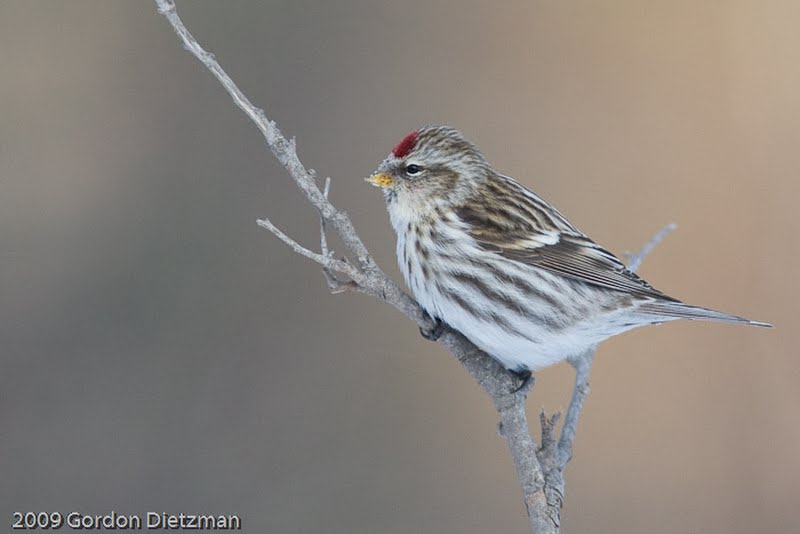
<point>583,362</point>
<point>635,260</point>
<point>583,366</point>
<point>334,284</point>
<point>323,240</point>
<point>326,261</point>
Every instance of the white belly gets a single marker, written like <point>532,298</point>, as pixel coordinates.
<point>516,328</point>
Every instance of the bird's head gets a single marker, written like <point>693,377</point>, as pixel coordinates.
<point>434,166</point>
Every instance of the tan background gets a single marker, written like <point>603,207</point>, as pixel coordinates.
<point>160,352</point>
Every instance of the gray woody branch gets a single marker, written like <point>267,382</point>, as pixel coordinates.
<point>539,469</point>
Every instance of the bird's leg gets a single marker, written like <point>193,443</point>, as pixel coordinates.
<point>524,377</point>
<point>433,329</point>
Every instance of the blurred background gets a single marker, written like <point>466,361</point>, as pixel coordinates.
<point>160,352</point>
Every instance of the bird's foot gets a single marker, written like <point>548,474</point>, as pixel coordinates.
<point>433,329</point>
<point>525,379</point>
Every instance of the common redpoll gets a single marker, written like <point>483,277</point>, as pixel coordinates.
<point>494,261</point>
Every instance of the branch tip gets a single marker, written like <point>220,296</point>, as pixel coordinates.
<point>635,260</point>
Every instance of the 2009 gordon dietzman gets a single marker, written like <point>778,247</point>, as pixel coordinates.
<point>116,521</point>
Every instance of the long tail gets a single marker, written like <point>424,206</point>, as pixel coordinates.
<point>687,311</point>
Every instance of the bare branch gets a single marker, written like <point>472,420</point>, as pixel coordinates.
<point>489,374</point>
<point>542,481</point>
<point>282,148</point>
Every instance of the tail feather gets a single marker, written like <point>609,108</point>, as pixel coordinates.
<point>687,311</point>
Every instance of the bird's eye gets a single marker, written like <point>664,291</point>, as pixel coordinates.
<point>413,170</point>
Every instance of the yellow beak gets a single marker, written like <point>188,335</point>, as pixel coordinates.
<point>380,180</point>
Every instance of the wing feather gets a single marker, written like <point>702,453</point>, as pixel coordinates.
<point>515,230</point>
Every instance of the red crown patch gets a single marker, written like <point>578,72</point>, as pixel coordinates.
<point>404,147</point>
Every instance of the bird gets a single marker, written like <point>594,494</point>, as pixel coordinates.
<point>486,256</point>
